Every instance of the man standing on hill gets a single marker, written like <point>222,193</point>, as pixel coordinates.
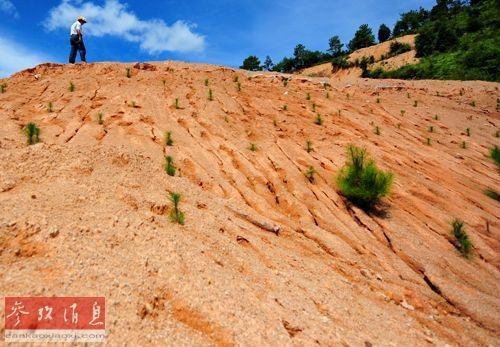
<point>76,40</point>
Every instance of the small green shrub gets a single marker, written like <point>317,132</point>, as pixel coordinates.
<point>32,133</point>
<point>71,86</point>
<point>176,215</point>
<point>473,103</point>
<point>428,141</point>
<point>177,103</point>
<point>310,174</point>
<point>170,169</point>
<point>308,96</point>
<point>399,125</point>
<point>253,147</point>
<point>377,130</point>
<point>129,73</point>
<point>431,129</point>
<point>3,88</point>
<point>285,82</point>
<point>314,107</point>
<point>238,86</point>
<point>50,107</point>
<point>436,117</point>
<point>468,131</point>
<point>318,120</point>
<point>415,103</point>
<point>361,181</point>
<point>100,119</point>
<point>309,147</point>
<point>348,96</point>
<point>285,107</point>
<point>492,194</point>
<point>210,95</point>
<point>206,82</point>
<point>463,244</point>
<point>497,134</point>
<point>378,100</point>
<point>403,113</point>
<point>168,138</point>
<point>495,155</point>
<point>464,145</point>
<point>328,95</point>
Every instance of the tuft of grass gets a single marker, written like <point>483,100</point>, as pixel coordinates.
<point>170,169</point>
<point>492,194</point>
<point>309,147</point>
<point>50,107</point>
<point>436,117</point>
<point>463,244</point>
<point>428,141</point>
<point>253,147</point>
<point>238,86</point>
<point>168,138</point>
<point>314,107</point>
<point>236,79</point>
<point>468,131</point>
<point>310,174</point>
<point>318,120</point>
<point>403,113</point>
<point>285,82</point>
<point>285,107</point>
<point>495,155</point>
<point>176,215</point>
<point>210,95</point>
<point>377,130</point>
<point>378,100</point>
<point>361,181</point>
<point>100,119</point>
<point>473,103</point>
<point>464,145</point>
<point>32,133</point>
<point>3,88</point>
<point>308,96</point>
<point>431,129</point>
<point>71,86</point>
<point>177,103</point>
<point>206,82</point>
<point>129,73</point>
<point>415,103</point>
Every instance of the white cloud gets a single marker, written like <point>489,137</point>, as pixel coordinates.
<point>14,57</point>
<point>115,19</point>
<point>8,7</point>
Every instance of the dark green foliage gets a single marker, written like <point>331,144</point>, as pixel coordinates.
<point>251,63</point>
<point>129,73</point>
<point>238,86</point>
<point>377,130</point>
<point>492,194</point>
<point>285,82</point>
<point>268,64</point>
<point>464,145</point>
<point>431,129</point>
<point>415,104</point>
<point>3,88</point>
<point>50,107</point>
<point>340,62</point>
<point>383,33</point>
<point>310,174</point>
<point>495,155</point>
<point>428,141</point>
<point>309,147</point>
<point>497,134</point>
<point>335,46</point>
<point>468,132</point>
<point>403,113</point>
<point>363,38</point>
<point>71,86</point>
<point>100,119</point>
<point>473,103</point>
<point>314,107</point>
<point>436,117</point>
<point>410,22</point>
<point>176,215</point>
<point>378,100</point>
<point>32,133</point>
<point>398,48</point>
<point>361,181</point>
<point>302,58</point>
<point>210,95</point>
<point>206,82</point>
<point>177,103</point>
<point>253,147</point>
<point>308,96</point>
<point>318,120</point>
<point>168,138</point>
<point>463,244</point>
<point>285,107</point>
<point>169,166</point>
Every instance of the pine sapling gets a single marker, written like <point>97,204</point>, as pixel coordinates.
<point>428,142</point>
<point>71,86</point>
<point>464,145</point>
<point>431,129</point>
<point>210,95</point>
<point>436,117</point>
<point>100,120</point>
<point>377,130</point>
<point>169,166</point>
<point>32,133</point>
<point>309,147</point>
<point>3,88</point>
<point>378,100</point>
<point>310,174</point>
<point>50,107</point>
<point>177,103</point>
<point>253,147</point>
<point>473,103</point>
<point>314,107</point>
<point>308,96</point>
<point>168,138</point>
<point>318,120</point>
<point>238,86</point>
<point>206,82</point>
<point>176,215</point>
<point>415,103</point>
<point>285,107</point>
<point>236,79</point>
<point>463,244</point>
<point>129,73</point>
<point>468,131</point>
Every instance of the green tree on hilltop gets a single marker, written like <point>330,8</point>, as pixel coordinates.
<point>252,63</point>
<point>363,38</point>
<point>384,33</point>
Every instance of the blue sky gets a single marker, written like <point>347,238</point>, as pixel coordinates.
<point>216,32</point>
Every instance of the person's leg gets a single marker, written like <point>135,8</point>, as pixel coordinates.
<point>72,54</point>
<point>83,52</point>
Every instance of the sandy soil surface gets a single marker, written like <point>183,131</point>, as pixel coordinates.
<point>265,257</point>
